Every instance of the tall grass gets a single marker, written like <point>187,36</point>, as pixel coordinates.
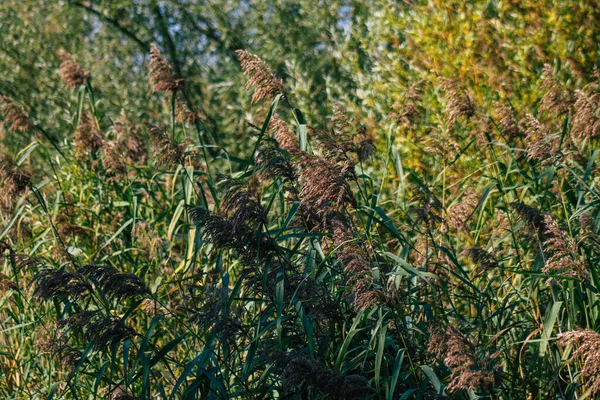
<point>143,261</point>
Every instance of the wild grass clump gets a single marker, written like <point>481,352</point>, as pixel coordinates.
<point>143,261</point>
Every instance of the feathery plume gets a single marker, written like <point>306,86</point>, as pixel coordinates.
<point>562,251</point>
<point>62,351</point>
<point>484,260</point>
<point>114,161</point>
<point>299,371</point>
<point>53,283</point>
<point>130,138</point>
<point>586,124</point>
<point>507,120</point>
<point>356,265</point>
<point>587,343</point>
<point>115,284</point>
<point>87,139</point>
<point>108,331</point>
<point>460,212</point>
<point>183,114</point>
<point>365,149</point>
<point>324,187</point>
<point>16,119</point>
<point>533,217</point>
<point>70,72</point>
<point>272,162</point>
<point>428,207</point>
<point>458,102</point>
<point>13,180</point>
<point>166,151</point>
<point>161,75</point>
<point>541,144</point>
<point>286,138</point>
<point>261,78</point>
<point>556,100</point>
<point>460,355</point>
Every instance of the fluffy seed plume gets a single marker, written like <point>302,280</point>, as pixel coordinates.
<point>16,119</point>
<point>324,187</point>
<point>114,162</point>
<point>562,251</point>
<point>14,181</point>
<point>460,213</point>
<point>458,102</point>
<point>285,136</point>
<point>266,84</point>
<point>166,151</point>
<point>556,100</point>
<point>541,144</point>
<point>587,344</point>
<point>115,284</point>
<point>507,120</point>
<point>356,266</point>
<point>51,283</point>
<point>484,260</point>
<point>108,331</point>
<point>460,355</point>
<point>87,139</point>
<point>161,75</point>
<point>586,124</point>
<point>70,72</point>
<point>130,138</point>
<point>303,372</point>
<point>62,352</point>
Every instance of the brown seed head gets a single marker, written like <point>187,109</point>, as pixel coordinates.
<point>16,119</point>
<point>266,84</point>
<point>161,75</point>
<point>70,72</point>
<point>458,102</point>
<point>587,344</point>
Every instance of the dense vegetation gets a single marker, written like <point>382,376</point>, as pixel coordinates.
<point>311,200</point>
